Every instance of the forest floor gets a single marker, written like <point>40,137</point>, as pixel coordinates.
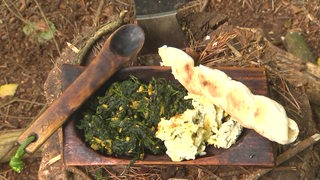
<point>27,53</point>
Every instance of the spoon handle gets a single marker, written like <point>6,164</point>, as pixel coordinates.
<point>118,49</point>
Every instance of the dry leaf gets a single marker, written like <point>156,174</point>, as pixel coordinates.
<point>8,90</point>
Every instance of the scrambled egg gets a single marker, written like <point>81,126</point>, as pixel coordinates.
<point>186,135</point>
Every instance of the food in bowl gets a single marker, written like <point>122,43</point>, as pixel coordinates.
<point>124,120</point>
<point>135,117</point>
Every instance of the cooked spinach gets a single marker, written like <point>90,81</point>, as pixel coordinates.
<point>123,122</point>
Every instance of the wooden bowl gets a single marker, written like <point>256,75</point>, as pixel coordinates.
<point>250,149</point>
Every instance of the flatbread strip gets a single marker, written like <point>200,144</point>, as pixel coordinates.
<point>264,115</point>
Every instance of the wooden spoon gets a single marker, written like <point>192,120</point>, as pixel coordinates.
<point>118,49</point>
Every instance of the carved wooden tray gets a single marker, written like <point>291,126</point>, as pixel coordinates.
<point>250,149</point>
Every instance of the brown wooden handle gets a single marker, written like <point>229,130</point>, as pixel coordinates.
<point>119,48</point>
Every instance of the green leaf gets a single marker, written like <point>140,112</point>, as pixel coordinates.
<point>40,30</point>
<point>48,34</point>
<point>29,28</point>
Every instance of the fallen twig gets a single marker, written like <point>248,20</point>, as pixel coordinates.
<point>210,173</point>
<point>124,3</point>
<point>314,70</point>
<point>204,5</point>
<point>47,22</point>
<point>248,3</point>
<point>53,160</point>
<point>111,174</point>
<point>97,14</point>
<point>20,100</point>
<point>77,171</point>
<point>17,14</point>
<point>298,148</point>
<point>91,41</point>
<point>234,50</point>
<point>287,155</point>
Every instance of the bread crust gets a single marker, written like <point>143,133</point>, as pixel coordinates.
<point>264,115</point>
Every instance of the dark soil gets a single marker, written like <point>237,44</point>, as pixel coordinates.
<point>26,60</point>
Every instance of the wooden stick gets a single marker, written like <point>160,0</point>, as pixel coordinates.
<point>287,155</point>
<point>297,149</point>
<point>97,14</point>
<point>92,40</point>
<point>204,5</point>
